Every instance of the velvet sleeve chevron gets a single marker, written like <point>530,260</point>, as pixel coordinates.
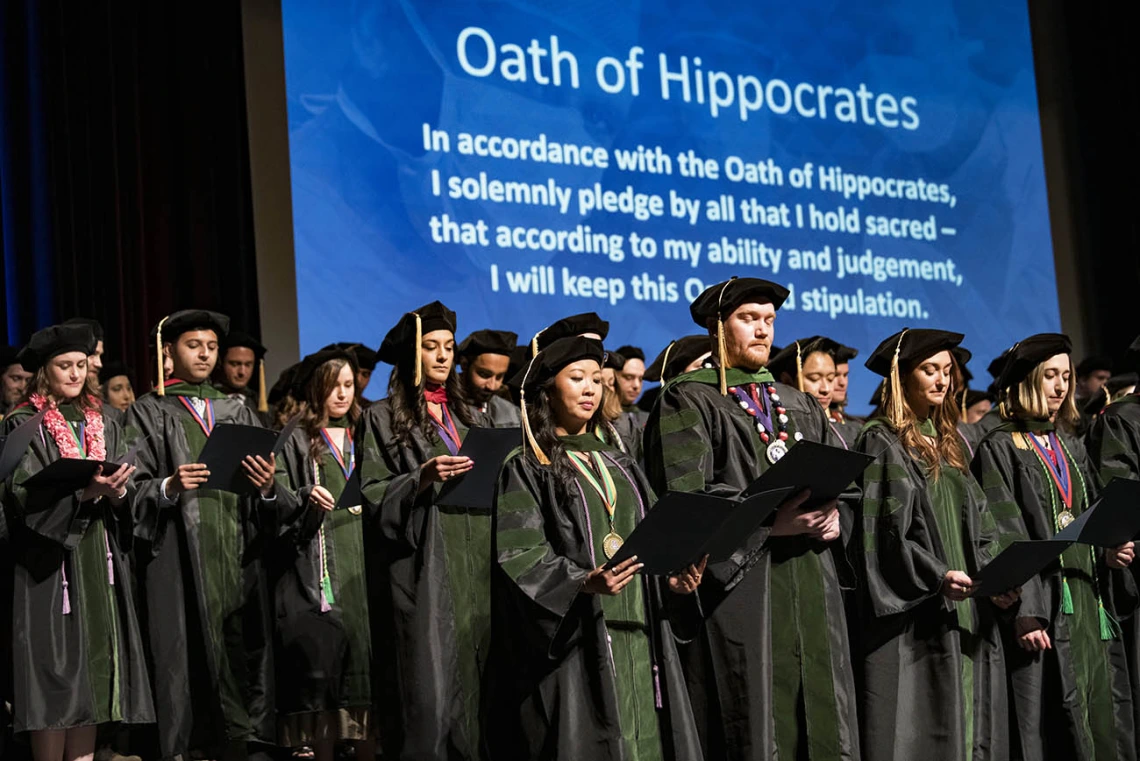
<point>679,452</point>
<point>1114,443</point>
<point>901,566</point>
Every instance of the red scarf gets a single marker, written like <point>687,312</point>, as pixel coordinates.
<point>65,438</point>
<point>435,394</point>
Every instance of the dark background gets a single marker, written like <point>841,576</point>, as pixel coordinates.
<point>125,183</point>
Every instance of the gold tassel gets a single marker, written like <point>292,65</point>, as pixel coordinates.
<point>534,343</point>
<point>527,434</point>
<point>799,367</point>
<point>161,390</point>
<point>896,410</point>
<point>1020,441</point>
<point>419,374</point>
<point>262,398</point>
<point>963,405</point>
<point>665,359</point>
<point>722,365</point>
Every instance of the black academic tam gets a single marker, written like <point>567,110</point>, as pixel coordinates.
<point>53,341</point>
<point>912,346</point>
<point>1028,353</point>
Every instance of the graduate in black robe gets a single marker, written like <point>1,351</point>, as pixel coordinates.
<point>680,356</point>
<point>847,426</point>
<point>1068,678</point>
<point>240,373</point>
<point>365,366</point>
<point>324,639</point>
<point>933,682</point>
<point>484,359</point>
<point>198,554</point>
<point>428,565</point>
<point>808,364</point>
<point>1114,450</point>
<point>771,672</point>
<point>74,653</point>
<point>584,663</point>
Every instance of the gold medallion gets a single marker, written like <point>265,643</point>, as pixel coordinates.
<point>611,543</point>
<point>1065,518</point>
<point>356,509</point>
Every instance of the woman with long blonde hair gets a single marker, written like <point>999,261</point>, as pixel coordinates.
<point>933,682</point>
<point>1070,695</point>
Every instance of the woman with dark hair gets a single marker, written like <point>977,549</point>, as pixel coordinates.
<point>75,653</point>
<point>584,662</point>
<point>324,643</point>
<point>428,565</point>
<point>1066,661</point>
<point>933,682</point>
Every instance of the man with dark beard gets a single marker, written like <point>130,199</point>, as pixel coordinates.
<point>773,659</point>
<point>484,359</point>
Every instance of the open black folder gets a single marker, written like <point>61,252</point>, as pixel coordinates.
<point>827,471</point>
<point>68,475</point>
<point>1017,564</point>
<point>682,528</point>
<point>1110,521</point>
<point>229,444</point>
<point>17,442</point>
<point>488,448</point>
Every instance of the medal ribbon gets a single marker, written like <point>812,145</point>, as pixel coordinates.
<point>206,423</point>
<point>448,432</point>
<point>1057,466</point>
<point>345,468</point>
<point>79,437</point>
<point>752,405</point>
<point>606,489</point>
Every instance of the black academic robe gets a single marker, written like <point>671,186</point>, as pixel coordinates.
<point>552,689</point>
<point>501,413</point>
<point>429,590</point>
<point>1114,452</point>
<point>205,601</point>
<point>1073,701</point>
<point>777,620</point>
<point>74,652</point>
<point>847,428</point>
<point>933,681</point>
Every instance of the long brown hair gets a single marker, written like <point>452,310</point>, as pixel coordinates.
<point>88,399</point>
<point>312,407</point>
<point>904,423</point>
<point>1026,401</point>
<point>409,408</point>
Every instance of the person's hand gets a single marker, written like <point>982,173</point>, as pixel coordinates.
<point>260,472</point>
<point>957,586</point>
<point>1031,635</point>
<point>1122,556</point>
<point>112,485</point>
<point>188,477</point>
<point>322,499</point>
<point>603,581</point>
<point>818,523</point>
<point>687,581</point>
<point>1006,600</point>
<point>444,468</point>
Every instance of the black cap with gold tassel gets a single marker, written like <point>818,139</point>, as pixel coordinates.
<point>172,326</point>
<point>403,341</point>
<point>894,356</point>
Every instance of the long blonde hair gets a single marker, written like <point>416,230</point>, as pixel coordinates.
<point>1027,401</point>
<point>903,420</point>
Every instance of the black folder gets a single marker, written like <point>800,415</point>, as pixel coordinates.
<point>1017,564</point>
<point>488,447</point>
<point>682,528</point>
<point>69,475</point>
<point>351,496</point>
<point>229,444</point>
<point>1110,521</point>
<point>827,471</point>
<point>17,442</point>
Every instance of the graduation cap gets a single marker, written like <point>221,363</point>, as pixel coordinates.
<point>676,357</point>
<point>8,357</point>
<point>285,385</point>
<point>843,354</point>
<point>53,341</point>
<point>718,301</point>
<point>365,357</point>
<point>972,397</point>
<point>906,349</point>
<point>172,326</point>
<point>574,325</point>
<point>631,352</point>
<point>406,335</point>
<point>1090,365</point>
<point>877,397</point>
<point>995,366</point>
<point>307,368</point>
<point>237,339</point>
<point>791,358</point>
<point>114,369</point>
<point>488,342</point>
<point>1028,354</point>
<point>544,366</point>
<point>614,361</point>
<point>96,327</point>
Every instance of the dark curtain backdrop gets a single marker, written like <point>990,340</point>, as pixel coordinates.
<point>124,176</point>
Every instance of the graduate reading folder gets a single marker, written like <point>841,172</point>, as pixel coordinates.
<point>684,527</point>
<point>1112,520</point>
<point>488,448</point>
<point>827,471</point>
<point>229,444</point>
<point>1017,564</point>
<point>68,475</point>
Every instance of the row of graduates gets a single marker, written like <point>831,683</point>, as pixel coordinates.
<point>842,631</point>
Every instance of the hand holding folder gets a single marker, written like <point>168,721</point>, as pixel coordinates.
<point>230,444</point>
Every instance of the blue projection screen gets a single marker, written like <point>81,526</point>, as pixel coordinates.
<point>522,161</point>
